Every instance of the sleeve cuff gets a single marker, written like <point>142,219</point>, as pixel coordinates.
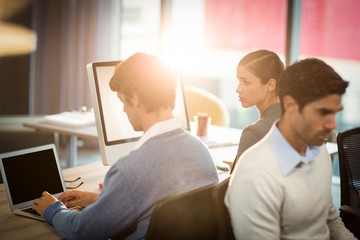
<point>52,210</point>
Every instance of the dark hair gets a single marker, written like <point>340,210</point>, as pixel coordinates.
<point>149,77</point>
<point>309,80</point>
<point>264,64</point>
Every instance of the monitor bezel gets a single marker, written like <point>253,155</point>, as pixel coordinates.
<point>111,151</point>
<point>107,142</point>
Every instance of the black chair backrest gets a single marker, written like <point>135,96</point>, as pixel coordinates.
<point>188,215</point>
<point>222,213</point>
<point>349,163</point>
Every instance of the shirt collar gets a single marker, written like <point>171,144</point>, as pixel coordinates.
<point>157,129</point>
<point>288,157</point>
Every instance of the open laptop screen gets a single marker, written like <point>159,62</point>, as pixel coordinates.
<point>29,172</point>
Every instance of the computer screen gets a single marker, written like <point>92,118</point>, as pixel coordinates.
<point>115,133</point>
<point>25,177</point>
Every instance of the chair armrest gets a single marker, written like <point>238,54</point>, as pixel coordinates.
<point>351,211</point>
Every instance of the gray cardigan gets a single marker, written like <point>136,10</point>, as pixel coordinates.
<point>165,164</point>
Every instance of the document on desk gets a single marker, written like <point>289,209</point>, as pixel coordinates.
<point>72,119</point>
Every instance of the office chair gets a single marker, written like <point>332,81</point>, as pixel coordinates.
<point>199,100</point>
<point>349,164</point>
<point>188,215</point>
<point>221,211</point>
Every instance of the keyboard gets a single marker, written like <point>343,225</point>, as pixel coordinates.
<point>30,210</point>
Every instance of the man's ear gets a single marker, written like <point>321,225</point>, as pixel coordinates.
<point>271,85</point>
<point>289,103</point>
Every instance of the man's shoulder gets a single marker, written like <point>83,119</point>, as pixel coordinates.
<point>176,137</point>
<point>260,154</point>
<point>177,141</point>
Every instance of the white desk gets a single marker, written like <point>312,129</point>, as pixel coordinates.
<point>71,133</point>
<point>217,136</point>
<point>332,148</point>
<point>18,227</point>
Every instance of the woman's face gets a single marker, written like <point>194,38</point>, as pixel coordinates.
<point>251,90</point>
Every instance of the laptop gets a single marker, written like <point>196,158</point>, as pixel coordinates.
<point>27,173</point>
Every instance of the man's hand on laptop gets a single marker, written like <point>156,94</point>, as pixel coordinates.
<point>78,198</point>
<point>43,202</point>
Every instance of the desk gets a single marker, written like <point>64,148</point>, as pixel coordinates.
<point>72,133</point>
<point>91,174</point>
<point>217,136</point>
<point>332,148</point>
<point>18,227</point>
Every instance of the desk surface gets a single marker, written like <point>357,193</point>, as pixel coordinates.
<point>91,174</point>
<point>85,132</point>
<point>217,136</point>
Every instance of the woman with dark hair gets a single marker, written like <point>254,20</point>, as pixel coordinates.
<point>258,73</point>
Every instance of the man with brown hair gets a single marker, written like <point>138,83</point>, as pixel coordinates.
<point>166,160</point>
<point>281,186</point>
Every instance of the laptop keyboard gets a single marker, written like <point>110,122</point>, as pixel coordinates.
<point>31,210</point>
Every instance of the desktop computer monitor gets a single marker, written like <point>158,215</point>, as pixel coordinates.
<point>116,135</point>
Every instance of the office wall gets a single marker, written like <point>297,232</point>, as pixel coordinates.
<point>14,82</point>
<point>14,73</point>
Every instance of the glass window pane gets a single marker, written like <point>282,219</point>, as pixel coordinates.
<point>248,25</point>
<point>330,30</point>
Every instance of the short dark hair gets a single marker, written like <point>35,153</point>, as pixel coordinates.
<point>264,64</point>
<point>148,76</point>
<point>309,80</point>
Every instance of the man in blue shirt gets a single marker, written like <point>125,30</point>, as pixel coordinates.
<point>166,160</point>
